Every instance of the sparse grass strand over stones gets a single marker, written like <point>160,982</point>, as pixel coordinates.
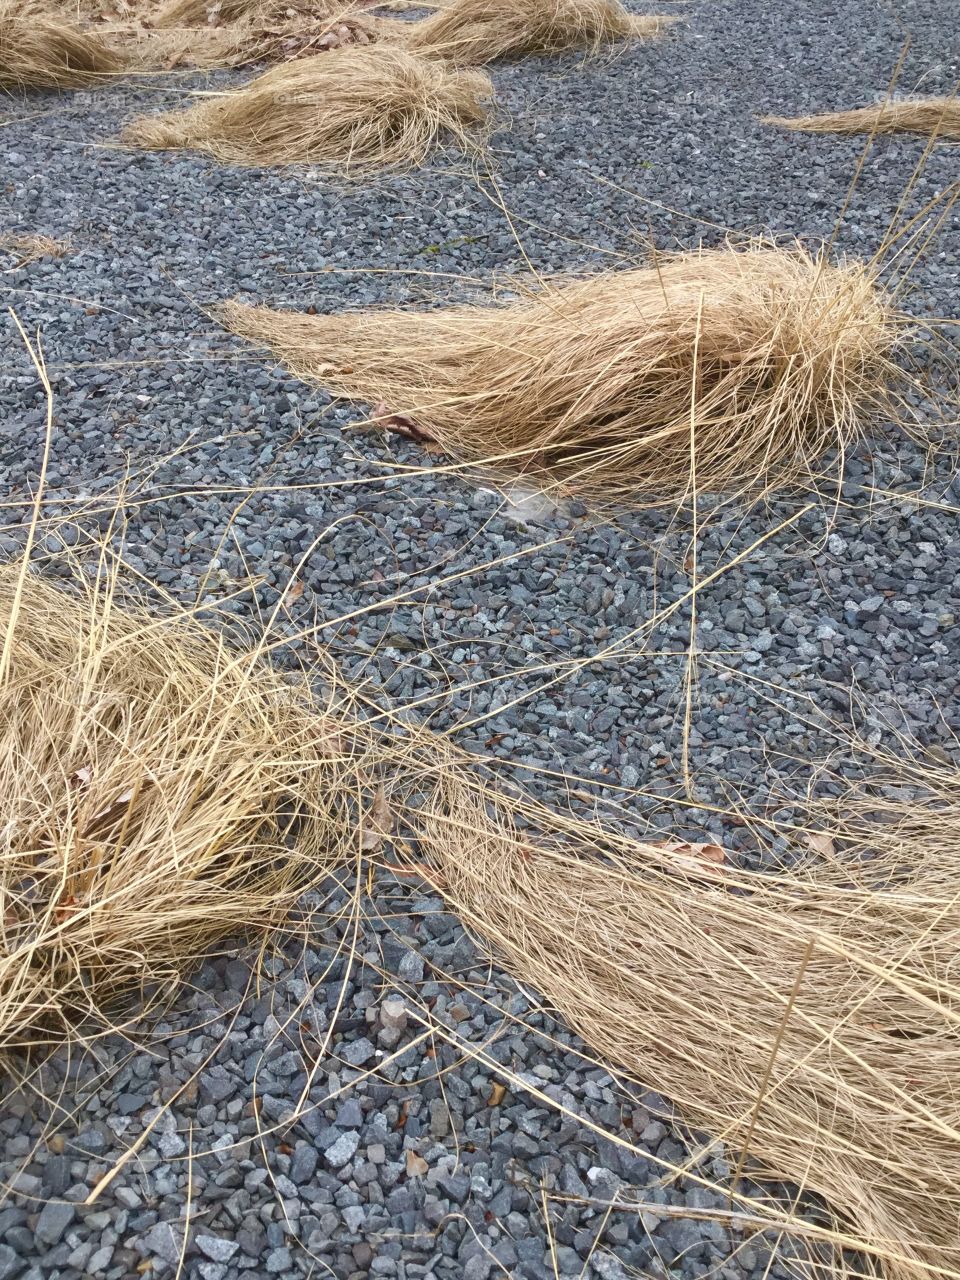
<point>810,1018</point>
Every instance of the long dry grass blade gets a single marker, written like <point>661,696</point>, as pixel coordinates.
<point>938,117</point>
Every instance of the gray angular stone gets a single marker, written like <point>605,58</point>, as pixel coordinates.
<point>278,1261</point>
<point>100,1260</point>
<point>217,1085</point>
<point>357,1052</point>
<point>303,1163</point>
<point>349,1116</point>
<point>342,1151</point>
<point>166,1241</point>
<point>216,1248</point>
<point>55,1217</point>
<point>411,967</point>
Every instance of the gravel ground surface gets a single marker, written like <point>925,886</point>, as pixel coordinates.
<point>522,629</point>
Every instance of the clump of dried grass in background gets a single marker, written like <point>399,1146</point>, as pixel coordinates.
<point>200,13</point>
<point>939,116</point>
<point>27,247</point>
<point>363,110</point>
<point>39,50</point>
<point>161,790</point>
<point>474,32</point>
<point>811,1019</point>
<point>758,358</point>
<point>239,44</point>
<point>239,32</point>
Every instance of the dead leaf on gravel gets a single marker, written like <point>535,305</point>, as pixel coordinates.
<point>401,424</point>
<point>425,873</point>
<point>380,821</point>
<point>416,1165</point>
<point>820,842</point>
<point>694,854</point>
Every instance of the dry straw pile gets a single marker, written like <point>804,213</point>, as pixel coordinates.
<point>473,32</point>
<point>200,13</point>
<point>28,247</point>
<point>239,32</point>
<point>810,1019</point>
<point>755,360</point>
<point>363,110</point>
<point>237,45</point>
<point>160,791</point>
<point>41,50</point>
<point>938,117</point>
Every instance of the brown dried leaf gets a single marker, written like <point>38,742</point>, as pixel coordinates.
<point>380,821</point>
<point>416,1165</point>
<point>820,843</point>
<point>424,872</point>
<point>497,1091</point>
<point>401,423</point>
<point>693,853</point>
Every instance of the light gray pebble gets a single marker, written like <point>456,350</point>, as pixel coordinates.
<point>357,1052</point>
<point>342,1151</point>
<point>278,1261</point>
<point>216,1248</point>
<point>165,1240</point>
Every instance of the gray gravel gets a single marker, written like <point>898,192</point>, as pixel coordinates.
<point>859,594</point>
<point>400,1160</point>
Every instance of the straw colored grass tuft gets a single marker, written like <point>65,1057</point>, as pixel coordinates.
<point>759,359</point>
<point>27,247</point>
<point>39,50</point>
<point>363,110</point>
<point>929,116</point>
<point>810,1018</point>
<point>160,791</point>
<point>474,32</point>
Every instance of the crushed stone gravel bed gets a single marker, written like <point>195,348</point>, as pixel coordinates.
<point>468,603</point>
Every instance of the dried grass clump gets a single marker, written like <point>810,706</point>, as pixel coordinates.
<point>474,32</point>
<point>200,13</point>
<point>363,110</point>
<point>811,1018</point>
<point>39,50</point>
<point>160,789</point>
<point>929,116</point>
<point>240,44</point>
<point>27,247</point>
<point>758,358</point>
